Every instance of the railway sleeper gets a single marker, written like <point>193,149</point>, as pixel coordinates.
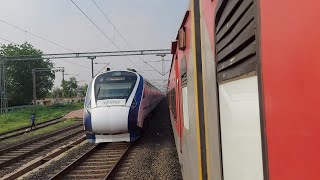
<point>87,167</point>
<point>30,142</point>
<point>22,156</point>
<point>86,171</point>
<point>86,176</point>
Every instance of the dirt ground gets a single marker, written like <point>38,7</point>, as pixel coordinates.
<point>75,114</point>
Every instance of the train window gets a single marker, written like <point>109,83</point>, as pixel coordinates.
<point>185,107</point>
<point>173,100</point>
<point>119,90</point>
<point>183,72</point>
<point>184,81</point>
<point>115,85</point>
<point>182,38</point>
<point>88,97</point>
<point>116,73</point>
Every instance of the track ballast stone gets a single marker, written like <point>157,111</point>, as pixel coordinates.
<point>58,165</point>
<point>155,153</point>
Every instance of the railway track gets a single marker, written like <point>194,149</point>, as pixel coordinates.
<point>42,161</point>
<point>21,131</point>
<point>100,162</point>
<point>17,155</point>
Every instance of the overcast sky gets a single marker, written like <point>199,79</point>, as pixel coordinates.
<point>145,24</point>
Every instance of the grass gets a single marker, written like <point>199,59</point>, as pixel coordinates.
<point>21,118</point>
<point>47,129</point>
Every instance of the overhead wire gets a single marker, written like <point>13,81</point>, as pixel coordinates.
<point>100,29</point>
<point>116,29</point>
<point>107,64</point>
<point>76,64</point>
<point>104,68</point>
<point>125,40</point>
<point>40,37</point>
<point>104,14</point>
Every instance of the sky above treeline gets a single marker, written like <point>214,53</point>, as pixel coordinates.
<point>143,24</point>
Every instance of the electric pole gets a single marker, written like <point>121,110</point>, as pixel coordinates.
<point>63,75</point>
<point>92,58</point>
<point>34,70</point>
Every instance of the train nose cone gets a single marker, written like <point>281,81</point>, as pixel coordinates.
<point>110,120</point>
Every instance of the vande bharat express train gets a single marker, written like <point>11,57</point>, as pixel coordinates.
<point>116,104</point>
<point>244,90</point>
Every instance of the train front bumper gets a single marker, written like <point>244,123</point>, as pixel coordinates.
<point>110,120</point>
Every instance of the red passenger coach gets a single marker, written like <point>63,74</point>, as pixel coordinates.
<point>243,90</point>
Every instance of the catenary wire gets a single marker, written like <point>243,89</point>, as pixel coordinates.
<point>116,29</point>
<point>100,29</point>
<point>40,37</point>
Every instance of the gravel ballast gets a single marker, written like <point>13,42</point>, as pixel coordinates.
<point>155,154</point>
<point>56,166</point>
<point>10,168</point>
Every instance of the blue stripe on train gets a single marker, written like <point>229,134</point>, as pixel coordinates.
<point>88,126</point>
<point>87,121</point>
<point>133,113</point>
<point>91,137</point>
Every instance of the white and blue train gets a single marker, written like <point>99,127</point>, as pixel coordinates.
<point>116,105</point>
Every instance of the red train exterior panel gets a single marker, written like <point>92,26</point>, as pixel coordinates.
<point>290,40</point>
<point>276,44</point>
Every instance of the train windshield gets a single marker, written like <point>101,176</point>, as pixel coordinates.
<point>115,85</point>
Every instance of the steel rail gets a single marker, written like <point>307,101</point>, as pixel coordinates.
<point>108,173</point>
<point>22,131</point>
<point>22,128</point>
<point>116,165</point>
<point>65,171</point>
<point>38,149</point>
<point>42,160</point>
<point>38,139</point>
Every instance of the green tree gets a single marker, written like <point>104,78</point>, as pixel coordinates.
<point>69,88</point>
<point>56,93</point>
<point>19,74</point>
<point>83,90</point>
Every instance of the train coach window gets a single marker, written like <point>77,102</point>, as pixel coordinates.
<point>120,90</point>
<point>87,101</point>
<point>184,83</point>
<point>115,85</point>
<point>173,100</point>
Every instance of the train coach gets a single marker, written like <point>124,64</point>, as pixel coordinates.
<point>116,105</point>
<point>243,90</point>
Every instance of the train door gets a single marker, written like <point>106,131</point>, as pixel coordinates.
<point>178,105</point>
<point>184,93</point>
<point>237,76</point>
